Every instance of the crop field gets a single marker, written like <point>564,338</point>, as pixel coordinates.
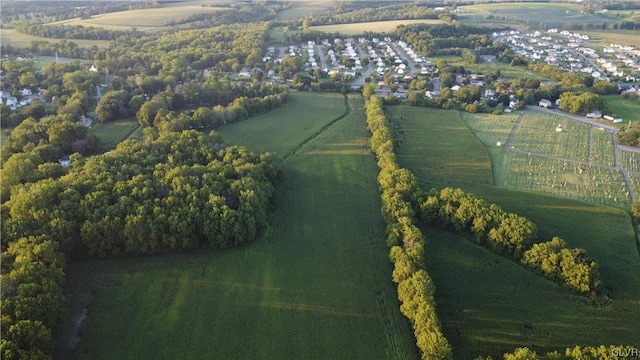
<point>316,284</point>
<point>490,305</point>
<point>283,129</point>
<point>551,14</point>
<point>20,40</point>
<point>537,134</point>
<point>303,8</point>
<point>149,20</point>
<point>623,37</point>
<point>112,133</point>
<point>425,144</point>
<point>379,26</point>
<point>626,109</point>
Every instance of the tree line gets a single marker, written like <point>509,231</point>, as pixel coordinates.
<point>398,188</point>
<point>513,236</point>
<point>601,352</point>
<point>168,191</point>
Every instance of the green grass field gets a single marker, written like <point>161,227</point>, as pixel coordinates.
<point>20,40</point>
<point>303,8</point>
<point>150,20</point>
<point>506,70</point>
<point>379,26</point>
<point>531,14</point>
<point>282,129</point>
<point>628,110</point>
<point>490,305</point>
<point>316,284</point>
<point>623,37</point>
<point>112,133</point>
<point>438,147</point>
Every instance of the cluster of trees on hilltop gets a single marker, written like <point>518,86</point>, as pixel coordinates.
<point>399,194</point>
<point>513,236</point>
<point>70,31</point>
<point>354,12</point>
<point>173,191</point>
<point>447,39</point>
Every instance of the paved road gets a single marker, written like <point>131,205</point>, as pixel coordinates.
<point>405,57</point>
<point>359,81</point>
<point>323,62</point>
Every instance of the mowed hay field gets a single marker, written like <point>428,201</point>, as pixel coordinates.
<point>438,147</point>
<point>150,20</point>
<point>20,40</point>
<point>490,305</point>
<point>316,284</point>
<point>379,26</point>
<point>551,14</point>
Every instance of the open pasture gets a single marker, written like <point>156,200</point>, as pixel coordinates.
<point>491,130</point>
<point>315,284</point>
<point>282,129</point>
<point>302,8</point>
<point>532,14</point>
<point>506,71</point>
<point>569,179</point>
<point>622,37</point>
<point>490,305</point>
<point>626,109</point>
<point>20,40</point>
<point>537,134</point>
<point>112,133</point>
<point>438,148</point>
<point>150,20</point>
<point>378,26</point>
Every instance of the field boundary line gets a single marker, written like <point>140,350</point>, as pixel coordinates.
<point>346,113</point>
<point>514,131</point>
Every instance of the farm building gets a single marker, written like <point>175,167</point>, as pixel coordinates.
<point>545,103</point>
<point>594,114</point>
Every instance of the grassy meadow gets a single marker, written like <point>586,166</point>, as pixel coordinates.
<point>531,14</point>
<point>490,305</point>
<point>112,133</point>
<point>303,8</point>
<point>437,147</point>
<point>316,284</point>
<point>283,129</point>
<point>627,109</point>
<point>150,20</point>
<point>623,37</point>
<point>379,26</point>
<point>20,40</point>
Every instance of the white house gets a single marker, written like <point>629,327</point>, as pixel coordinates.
<point>26,92</point>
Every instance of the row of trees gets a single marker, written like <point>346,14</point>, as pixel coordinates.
<point>513,236</point>
<point>601,352</point>
<point>155,113</point>
<point>399,188</point>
